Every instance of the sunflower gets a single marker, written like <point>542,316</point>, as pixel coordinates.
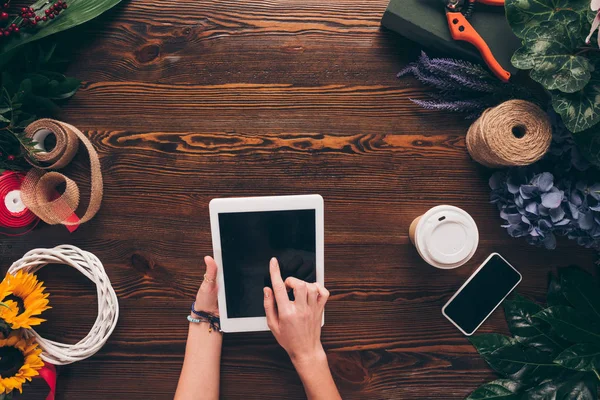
<point>19,362</point>
<point>23,297</point>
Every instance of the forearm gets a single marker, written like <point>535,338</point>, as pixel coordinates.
<point>199,378</point>
<point>316,378</point>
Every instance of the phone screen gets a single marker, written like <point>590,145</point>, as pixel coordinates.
<point>476,300</point>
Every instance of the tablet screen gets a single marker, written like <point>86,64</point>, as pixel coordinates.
<point>248,242</point>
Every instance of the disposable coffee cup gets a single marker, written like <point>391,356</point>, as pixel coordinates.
<point>446,237</point>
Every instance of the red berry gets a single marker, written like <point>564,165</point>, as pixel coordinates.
<point>6,5</point>
<point>3,16</point>
<point>6,33</point>
<point>10,157</point>
<point>47,12</point>
<point>33,22</point>
<point>17,29</point>
<point>23,9</point>
<point>64,5</point>
<point>44,19</point>
<point>51,16</point>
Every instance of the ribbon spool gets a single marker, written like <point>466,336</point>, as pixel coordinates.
<point>14,215</point>
<point>515,133</point>
<point>39,187</point>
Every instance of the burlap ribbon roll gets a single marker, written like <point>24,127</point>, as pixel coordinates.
<point>39,187</point>
<point>515,133</point>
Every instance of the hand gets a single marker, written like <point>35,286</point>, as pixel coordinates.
<point>207,297</point>
<point>296,324</point>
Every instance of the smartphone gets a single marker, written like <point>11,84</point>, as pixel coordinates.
<point>481,294</point>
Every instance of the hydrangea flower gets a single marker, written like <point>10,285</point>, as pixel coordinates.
<point>532,206</point>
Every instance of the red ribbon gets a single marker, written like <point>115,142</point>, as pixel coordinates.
<point>48,373</point>
<point>19,222</point>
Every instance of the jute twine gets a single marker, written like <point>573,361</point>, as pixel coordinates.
<point>38,190</point>
<point>515,133</point>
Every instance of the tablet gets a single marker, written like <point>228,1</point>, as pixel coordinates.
<point>246,233</point>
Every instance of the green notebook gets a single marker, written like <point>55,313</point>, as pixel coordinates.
<point>424,21</point>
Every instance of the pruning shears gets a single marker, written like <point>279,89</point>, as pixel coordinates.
<point>458,13</point>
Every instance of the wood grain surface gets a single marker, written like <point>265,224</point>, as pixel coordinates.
<point>191,100</point>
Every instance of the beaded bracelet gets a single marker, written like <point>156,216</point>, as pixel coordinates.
<point>213,321</point>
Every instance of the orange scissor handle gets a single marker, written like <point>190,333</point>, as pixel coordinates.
<point>499,3</point>
<point>461,29</point>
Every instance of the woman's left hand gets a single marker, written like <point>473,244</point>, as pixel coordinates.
<point>207,297</point>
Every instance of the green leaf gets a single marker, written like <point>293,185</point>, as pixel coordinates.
<point>580,357</point>
<point>64,89</point>
<point>576,387</point>
<point>512,360</point>
<point>528,330</point>
<point>555,296</point>
<point>570,324</point>
<point>548,51</point>
<point>588,142</point>
<point>579,110</point>
<point>5,120</point>
<point>79,11</point>
<point>500,389</point>
<point>524,15</point>
<point>581,290</point>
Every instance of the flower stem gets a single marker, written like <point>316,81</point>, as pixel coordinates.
<point>597,374</point>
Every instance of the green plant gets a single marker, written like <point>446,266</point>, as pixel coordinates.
<point>79,12</point>
<point>553,34</point>
<point>30,87</point>
<point>554,352</point>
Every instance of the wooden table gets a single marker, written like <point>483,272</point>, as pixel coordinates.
<point>190,100</point>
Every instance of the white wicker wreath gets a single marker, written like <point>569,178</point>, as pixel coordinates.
<point>108,306</point>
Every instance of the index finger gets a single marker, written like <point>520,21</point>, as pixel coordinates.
<point>279,288</point>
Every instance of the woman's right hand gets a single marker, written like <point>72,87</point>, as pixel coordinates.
<point>296,324</point>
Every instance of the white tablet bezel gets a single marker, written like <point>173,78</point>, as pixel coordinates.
<point>250,204</point>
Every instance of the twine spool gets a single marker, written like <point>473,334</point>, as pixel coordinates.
<point>515,133</point>
<point>39,187</point>
<point>108,305</point>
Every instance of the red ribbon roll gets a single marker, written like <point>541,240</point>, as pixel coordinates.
<point>13,213</point>
<point>48,374</point>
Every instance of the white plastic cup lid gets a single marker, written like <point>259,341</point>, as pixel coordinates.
<point>446,237</point>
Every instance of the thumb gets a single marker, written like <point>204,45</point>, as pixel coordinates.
<point>270,311</point>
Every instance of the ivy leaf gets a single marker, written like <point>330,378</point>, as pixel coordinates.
<point>571,325</point>
<point>580,357</point>
<point>79,11</point>
<point>524,15</point>
<point>548,51</point>
<point>500,389</point>
<point>579,110</point>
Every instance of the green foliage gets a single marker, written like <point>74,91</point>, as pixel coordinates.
<point>79,12</point>
<point>553,36</point>
<point>555,350</point>
<point>30,88</point>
